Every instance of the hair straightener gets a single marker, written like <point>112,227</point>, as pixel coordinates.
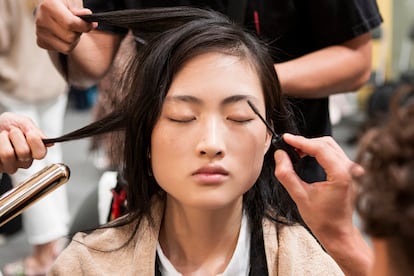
<point>15,201</point>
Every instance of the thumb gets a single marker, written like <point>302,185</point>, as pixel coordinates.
<point>84,11</point>
<point>287,176</point>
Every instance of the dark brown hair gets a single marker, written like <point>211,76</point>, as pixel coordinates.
<point>385,198</point>
<point>173,36</point>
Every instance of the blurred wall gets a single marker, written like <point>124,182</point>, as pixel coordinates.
<point>398,18</point>
<point>403,20</point>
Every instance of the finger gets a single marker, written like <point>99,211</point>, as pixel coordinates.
<point>37,147</point>
<point>23,164</point>
<point>64,15</point>
<point>11,120</point>
<point>34,138</point>
<point>310,146</point>
<point>7,157</point>
<point>49,41</point>
<point>6,121</point>
<point>288,178</point>
<point>52,35</point>
<point>57,28</point>
<point>61,33</point>
<point>75,23</point>
<point>71,22</point>
<point>26,125</point>
<point>19,144</point>
<point>324,149</point>
<point>85,11</point>
<point>34,135</point>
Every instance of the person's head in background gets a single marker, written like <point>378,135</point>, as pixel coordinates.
<point>385,199</point>
<point>185,115</point>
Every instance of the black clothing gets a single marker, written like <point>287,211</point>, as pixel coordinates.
<point>292,28</point>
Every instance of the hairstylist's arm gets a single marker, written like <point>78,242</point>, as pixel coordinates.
<point>89,53</point>
<point>335,69</point>
<point>20,142</point>
<point>327,206</point>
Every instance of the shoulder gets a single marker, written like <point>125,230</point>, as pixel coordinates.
<point>296,252</point>
<point>115,250</point>
<point>94,252</point>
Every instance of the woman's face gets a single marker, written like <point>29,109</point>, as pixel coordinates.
<point>207,147</point>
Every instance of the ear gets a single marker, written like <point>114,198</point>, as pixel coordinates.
<point>267,142</point>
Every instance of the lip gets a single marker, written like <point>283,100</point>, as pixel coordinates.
<point>211,174</point>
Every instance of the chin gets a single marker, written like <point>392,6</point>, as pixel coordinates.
<point>214,202</point>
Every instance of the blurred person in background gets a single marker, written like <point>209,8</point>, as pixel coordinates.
<point>385,199</point>
<point>30,85</point>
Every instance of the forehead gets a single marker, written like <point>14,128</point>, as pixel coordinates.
<point>216,75</point>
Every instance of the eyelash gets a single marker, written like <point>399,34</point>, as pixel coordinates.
<point>182,121</point>
<point>243,121</point>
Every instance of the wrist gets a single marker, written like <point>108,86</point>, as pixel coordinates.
<point>351,252</point>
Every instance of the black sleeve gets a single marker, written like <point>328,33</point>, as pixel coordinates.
<point>336,21</point>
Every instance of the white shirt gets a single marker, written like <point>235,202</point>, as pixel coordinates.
<point>238,265</point>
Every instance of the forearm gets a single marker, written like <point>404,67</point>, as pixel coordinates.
<point>88,62</point>
<point>335,69</point>
<point>7,12</point>
<point>351,252</point>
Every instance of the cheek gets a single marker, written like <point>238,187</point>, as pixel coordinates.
<point>249,157</point>
<point>168,151</point>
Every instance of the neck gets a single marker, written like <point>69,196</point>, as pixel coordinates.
<point>381,265</point>
<point>200,241</point>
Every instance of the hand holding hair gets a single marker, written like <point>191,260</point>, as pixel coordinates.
<point>317,201</point>
<point>58,25</point>
<point>327,206</point>
<point>20,142</point>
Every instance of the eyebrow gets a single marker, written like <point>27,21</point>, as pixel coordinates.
<point>192,99</point>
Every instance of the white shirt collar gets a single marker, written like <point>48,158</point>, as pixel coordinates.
<point>238,265</point>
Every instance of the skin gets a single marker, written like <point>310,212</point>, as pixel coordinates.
<point>90,55</point>
<point>381,265</point>
<point>20,142</point>
<point>196,160</point>
<point>353,57</point>
<point>389,260</point>
<point>327,206</point>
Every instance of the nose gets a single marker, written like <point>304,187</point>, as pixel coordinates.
<point>211,142</point>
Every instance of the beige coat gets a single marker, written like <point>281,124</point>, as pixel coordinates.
<point>26,71</point>
<point>290,250</point>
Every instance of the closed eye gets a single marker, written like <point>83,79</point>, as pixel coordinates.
<point>182,120</point>
<point>239,120</point>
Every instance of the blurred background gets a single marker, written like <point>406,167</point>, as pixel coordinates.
<point>393,65</point>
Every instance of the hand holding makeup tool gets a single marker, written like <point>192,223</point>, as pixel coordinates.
<point>37,186</point>
<point>277,140</point>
